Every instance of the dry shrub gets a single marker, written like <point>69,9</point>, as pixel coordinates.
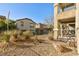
<point>65,49</point>
<point>57,47</point>
<point>34,39</point>
<point>20,36</point>
<point>19,32</point>
<point>61,48</point>
<point>27,34</point>
<point>13,37</point>
<point>7,32</point>
<point>3,46</point>
<point>71,43</point>
<point>5,37</point>
<point>4,41</point>
<point>50,38</point>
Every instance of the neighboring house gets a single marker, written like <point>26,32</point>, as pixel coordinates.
<point>41,28</point>
<point>25,24</point>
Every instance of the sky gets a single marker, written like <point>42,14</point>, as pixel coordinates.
<point>38,12</point>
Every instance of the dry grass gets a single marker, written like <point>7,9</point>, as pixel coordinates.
<point>35,46</point>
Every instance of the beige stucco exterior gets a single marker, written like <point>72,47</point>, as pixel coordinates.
<point>55,20</point>
<point>77,26</point>
<point>66,14</point>
<point>66,17</point>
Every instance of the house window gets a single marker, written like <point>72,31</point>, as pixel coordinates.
<point>31,26</point>
<point>22,23</point>
<point>66,8</point>
<point>70,8</point>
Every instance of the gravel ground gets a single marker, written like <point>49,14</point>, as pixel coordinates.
<point>40,49</point>
<point>37,50</point>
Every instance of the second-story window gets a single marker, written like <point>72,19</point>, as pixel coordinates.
<point>66,8</point>
<point>69,8</point>
<point>59,10</point>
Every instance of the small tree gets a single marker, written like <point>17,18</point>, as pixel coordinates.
<point>49,22</point>
<point>10,24</point>
<point>2,26</point>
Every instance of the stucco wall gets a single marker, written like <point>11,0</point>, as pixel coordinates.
<point>27,25</point>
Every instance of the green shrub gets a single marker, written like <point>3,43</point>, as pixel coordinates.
<point>2,26</point>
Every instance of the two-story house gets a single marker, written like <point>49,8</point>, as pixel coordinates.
<point>66,21</point>
<point>25,24</point>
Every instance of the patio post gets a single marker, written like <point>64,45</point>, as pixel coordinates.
<point>77,26</point>
<point>55,20</point>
